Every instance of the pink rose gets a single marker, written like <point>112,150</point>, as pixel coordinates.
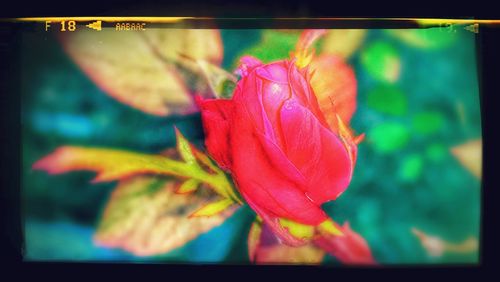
<point>272,137</point>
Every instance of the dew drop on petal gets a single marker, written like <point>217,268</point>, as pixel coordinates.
<point>275,88</point>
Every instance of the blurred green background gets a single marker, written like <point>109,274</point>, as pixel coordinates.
<point>405,175</point>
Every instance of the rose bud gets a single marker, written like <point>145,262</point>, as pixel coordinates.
<point>274,140</point>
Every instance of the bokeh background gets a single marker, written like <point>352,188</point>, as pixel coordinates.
<point>418,97</point>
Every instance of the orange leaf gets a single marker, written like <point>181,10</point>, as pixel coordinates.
<point>138,68</point>
<point>110,164</point>
<point>265,248</point>
<point>433,245</point>
<point>304,51</point>
<point>146,217</point>
<point>334,84</point>
<point>470,156</point>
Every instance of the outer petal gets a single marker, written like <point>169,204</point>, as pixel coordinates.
<point>261,183</point>
<point>275,91</point>
<point>280,162</point>
<point>350,248</point>
<point>247,95</point>
<point>318,153</point>
<point>216,116</point>
<point>247,64</point>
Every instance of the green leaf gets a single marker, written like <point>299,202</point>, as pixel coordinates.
<point>411,168</point>
<point>381,61</point>
<point>112,164</point>
<point>213,208</point>
<point>428,122</point>
<point>227,89</point>
<point>436,152</point>
<point>432,38</point>
<point>275,45</point>
<point>188,186</point>
<point>388,99</point>
<point>389,137</point>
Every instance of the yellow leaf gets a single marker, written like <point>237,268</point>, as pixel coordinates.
<point>343,42</point>
<point>226,190</point>
<point>188,186</point>
<point>436,246</point>
<point>110,164</point>
<point>205,159</point>
<point>139,68</point>
<point>469,245</point>
<point>470,155</point>
<point>214,208</point>
<point>146,217</point>
<point>176,44</point>
<point>330,227</point>
<point>184,148</point>
<point>298,230</point>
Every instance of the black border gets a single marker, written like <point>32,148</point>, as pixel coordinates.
<point>251,8</point>
<point>11,236</point>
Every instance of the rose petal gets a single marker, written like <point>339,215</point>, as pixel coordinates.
<point>258,179</point>
<point>302,90</point>
<point>247,64</point>
<point>216,115</point>
<point>316,151</point>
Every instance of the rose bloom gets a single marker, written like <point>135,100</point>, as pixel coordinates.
<point>274,140</point>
